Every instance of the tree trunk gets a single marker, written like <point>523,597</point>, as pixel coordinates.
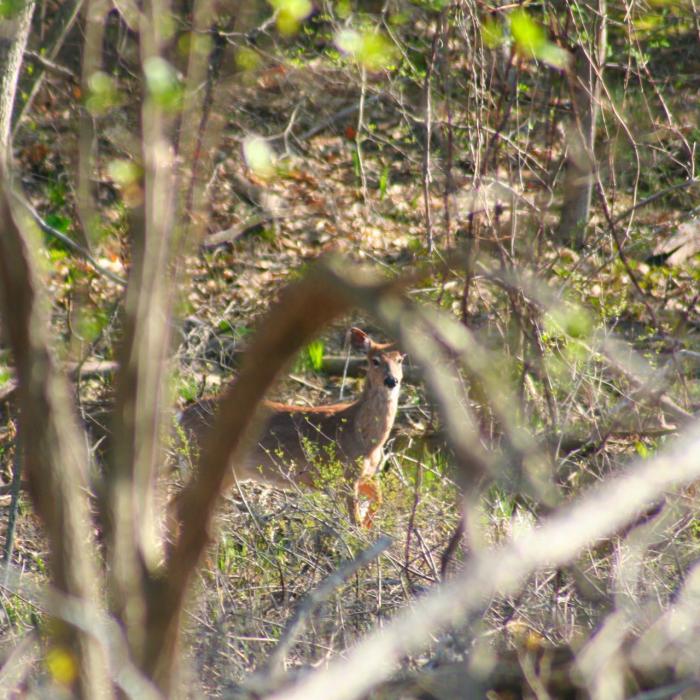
<point>580,164</point>
<point>13,38</point>
<point>51,44</point>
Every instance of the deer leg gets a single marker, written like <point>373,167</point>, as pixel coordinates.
<point>370,489</point>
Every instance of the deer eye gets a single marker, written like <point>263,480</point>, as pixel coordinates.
<point>376,361</point>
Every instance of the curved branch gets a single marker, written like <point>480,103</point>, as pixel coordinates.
<point>330,289</point>
<point>301,312</point>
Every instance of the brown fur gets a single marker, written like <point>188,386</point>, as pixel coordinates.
<point>297,441</point>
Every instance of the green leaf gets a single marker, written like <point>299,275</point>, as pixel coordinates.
<point>290,14</point>
<point>371,49</point>
<point>90,324</point>
<point>531,40</point>
<point>343,9</point>
<point>314,353</point>
<point>56,191</point>
<point>124,172</point>
<point>163,83</point>
<point>571,320</point>
<point>641,449</point>
<point>11,8</point>
<point>246,59</point>
<point>356,164</point>
<point>188,390</point>
<point>492,32</point>
<point>102,94</point>
<point>383,181</point>
<point>259,156</point>
<point>59,222</point>
<point>529,35</point>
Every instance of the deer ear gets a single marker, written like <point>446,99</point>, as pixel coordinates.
<point>359,340</point>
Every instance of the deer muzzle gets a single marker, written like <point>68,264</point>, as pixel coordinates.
<point>390,381</point>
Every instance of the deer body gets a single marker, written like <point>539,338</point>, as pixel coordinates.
<point>298,442</point>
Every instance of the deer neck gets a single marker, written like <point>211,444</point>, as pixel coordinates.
<point>375,412</point>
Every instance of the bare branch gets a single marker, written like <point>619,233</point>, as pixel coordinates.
<point>276,660</point>
<point>303,309</point>
<point>502,571</point>
<point>93,621</point>
<point>70,243</point>
<point>14,31</point>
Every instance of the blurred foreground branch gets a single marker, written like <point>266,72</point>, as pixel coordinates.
<point>303,309</point>
<point>55,458</point>
<point>329,289</point>
<point>502,571</point>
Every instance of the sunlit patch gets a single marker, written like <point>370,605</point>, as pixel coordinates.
<point>10,8</point>
<point>246,59</point>
<point>163,83</point>
<point>531,41</point>
<point>127,174</point>
<point>570,319</point>
<point>492,32</point>
<point>348,41</point>
<point>102,94</point>
<point>124,172</point>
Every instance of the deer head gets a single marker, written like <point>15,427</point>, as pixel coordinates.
<point>385,364</point>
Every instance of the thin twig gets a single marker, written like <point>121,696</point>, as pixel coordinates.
<point>276,660</point>
<point>92,620</point>
<point>76,370</point>
<point>452,544</point>
<point>358,136</point>
<point>333,119</point>
<point>52,66</point>
<point>18,664</point>
<point>233,233</point>
<point>75,247</point>
<point>427,172</point>
<point>412,518</point>
<point>653,197</point>
<point>15,488</point>
<point>51,45</point>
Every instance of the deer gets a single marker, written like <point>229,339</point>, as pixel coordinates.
<point>298,442</point>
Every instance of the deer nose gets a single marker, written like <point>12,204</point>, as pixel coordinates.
<point>390,381</point>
